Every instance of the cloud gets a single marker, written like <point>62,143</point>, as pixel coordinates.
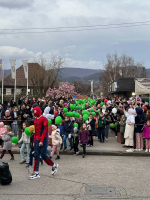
<point>92,64</point>
<point>70,48</point>
<point>12,4</point>
<point>9,52</point>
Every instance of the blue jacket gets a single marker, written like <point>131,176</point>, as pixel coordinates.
<point>67,127</point>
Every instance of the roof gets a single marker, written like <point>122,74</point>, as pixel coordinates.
<point>21,81</point>
<point>142,86</point>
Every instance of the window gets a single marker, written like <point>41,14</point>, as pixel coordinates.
<point>4,91</point>
<point>12,91</point>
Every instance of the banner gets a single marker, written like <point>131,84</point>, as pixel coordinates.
<point>13,69</point>
<point>1,69</point>
<point>25,66</point>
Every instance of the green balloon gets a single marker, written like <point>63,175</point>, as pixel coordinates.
<point>102,104</point>
<point>74,112</point>
<point>83,112</point>
<point>65,110</point>
<point>77,115</point>
<point>116,124</point>
<point>92,109</point>
<point>72,106</point>
<point>49,122</point>
<point>58,120</point>
<point>70,114</point>
<point>85,117</point>
<point>27,132</point>
<point>80,107</point>
<point>94,114</point>
<point>76,125</point>
<point>112,125</point>
<point>14,140</point>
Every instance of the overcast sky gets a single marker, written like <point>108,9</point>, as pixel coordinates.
<point>86,49</point>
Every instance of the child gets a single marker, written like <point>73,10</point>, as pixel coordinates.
<point>61,132</point>
<point>26,144</point>
<point>55,141</point>
<point>2,131</point>
<point>76,141</point>
<point>101,128</point>
<point>7,142</point>
<point>146,135</point>
<point>122,127</point>
<point>83,137</point>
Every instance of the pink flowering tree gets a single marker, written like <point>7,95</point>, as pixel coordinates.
<point>66,89</point>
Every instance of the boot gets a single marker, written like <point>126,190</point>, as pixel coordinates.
<point>58,157</point>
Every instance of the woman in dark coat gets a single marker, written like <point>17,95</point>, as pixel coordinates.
<point>139,123</point>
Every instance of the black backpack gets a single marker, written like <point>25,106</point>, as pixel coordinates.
<point>5,174</point>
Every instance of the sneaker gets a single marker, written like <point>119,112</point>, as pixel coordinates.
<point>115,136</point>
<point>71,148</point>
<point>83,156</point>
<point>34,176</point>
<point>136,149</point>
<point>130,150</point>
<point>12,158</point>
<point>141,149</point>
<point>57,158</point>
<point>146,150</point>
<point>29,166</point>
<point>77,153</point>
<point>88,145</point>
<point>54,169</point>
<point>23,162</point>
<point>65,149</point>
<point>106,139</point>
<point>27,162</point>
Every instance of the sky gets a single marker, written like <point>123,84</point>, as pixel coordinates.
<point>81,49</point>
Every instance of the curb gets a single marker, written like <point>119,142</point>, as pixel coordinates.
<point>99,153</point>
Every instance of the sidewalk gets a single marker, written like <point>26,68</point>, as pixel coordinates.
<point>110,148</point>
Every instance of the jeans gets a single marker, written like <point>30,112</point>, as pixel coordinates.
<point>14,128</point>
<point>106,131</point>
<point>101,134</point>
<point>84,148</point>
<point>41,151</point>
<point>32,156</point>
<point>70,141</point>
<point>23,146</point>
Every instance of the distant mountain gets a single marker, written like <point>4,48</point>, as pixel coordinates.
<point>78,72</point>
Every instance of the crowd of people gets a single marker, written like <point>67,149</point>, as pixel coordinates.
<point>129,120</point>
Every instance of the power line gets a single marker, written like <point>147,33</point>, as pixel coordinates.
<point>79,30</point>
<point>102,25</point>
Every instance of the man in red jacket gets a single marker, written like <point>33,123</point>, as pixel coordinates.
<point>41,143</point>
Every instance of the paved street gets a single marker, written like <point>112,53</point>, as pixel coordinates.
<point>128,175</point>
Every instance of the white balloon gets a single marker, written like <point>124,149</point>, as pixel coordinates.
<point>114,110</point>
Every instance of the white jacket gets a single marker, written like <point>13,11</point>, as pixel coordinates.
<point>25,139</point>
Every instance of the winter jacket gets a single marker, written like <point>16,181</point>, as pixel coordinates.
<point>7,141</point>
<point>108,119</point>
<point>25,139</point>
<point>146,132</point>
<point>75,138</point>
<point>55,137</point>
<point>122,126</point>
<point>67,128</point>
<point>83,136</point>
<point>80,122</point>
<point>101,122</point>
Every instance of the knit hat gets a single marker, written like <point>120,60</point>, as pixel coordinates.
<point>75,129</point>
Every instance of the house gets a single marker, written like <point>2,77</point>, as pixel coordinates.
<point>21,81</point>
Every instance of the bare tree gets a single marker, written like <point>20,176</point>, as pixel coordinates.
<point>47,73</point>
<point>82,87</point>
<point>118,67</point>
